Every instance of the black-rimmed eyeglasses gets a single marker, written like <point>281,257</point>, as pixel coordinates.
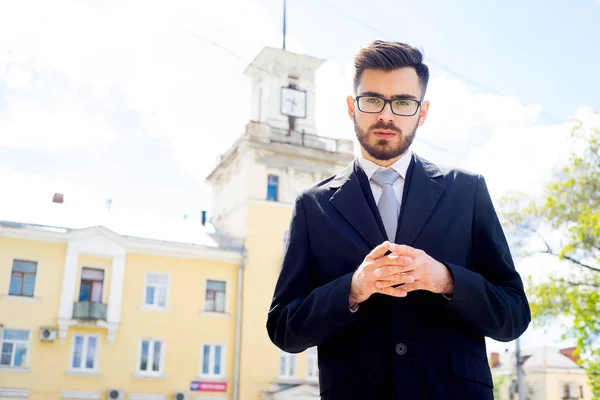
<point>375,105</point>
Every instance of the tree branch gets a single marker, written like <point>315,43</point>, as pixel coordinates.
<point>548,248</point>
<point>578,283</point>
<point>574,261</point>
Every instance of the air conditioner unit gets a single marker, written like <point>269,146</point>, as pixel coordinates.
<point>115,394</point>
<point>47,334</point>
<point>180,396</point>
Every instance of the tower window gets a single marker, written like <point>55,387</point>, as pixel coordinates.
<point>273,188</point>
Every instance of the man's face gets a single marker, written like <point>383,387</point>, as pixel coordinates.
<point>385,136</point>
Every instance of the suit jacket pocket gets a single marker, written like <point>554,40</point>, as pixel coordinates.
<point>472,368</point>
<point>332,374</point>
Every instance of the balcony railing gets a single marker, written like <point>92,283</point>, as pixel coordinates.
<point>89,310</point>
<point>269,133</point>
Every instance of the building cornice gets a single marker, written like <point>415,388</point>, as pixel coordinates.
<point>130,244</point>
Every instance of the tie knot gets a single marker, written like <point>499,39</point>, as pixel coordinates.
<point>385,177</point>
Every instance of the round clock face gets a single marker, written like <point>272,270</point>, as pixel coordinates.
<point>293,102</point>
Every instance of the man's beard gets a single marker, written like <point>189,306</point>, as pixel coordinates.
<point>382,149</point>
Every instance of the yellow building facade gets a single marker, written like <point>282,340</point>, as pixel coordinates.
<point>90,314</point>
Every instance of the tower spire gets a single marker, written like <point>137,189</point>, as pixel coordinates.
<point>284,22</point>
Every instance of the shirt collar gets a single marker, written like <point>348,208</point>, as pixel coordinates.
<point>400,166</point>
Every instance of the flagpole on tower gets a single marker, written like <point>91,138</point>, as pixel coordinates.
<point>284,22</point>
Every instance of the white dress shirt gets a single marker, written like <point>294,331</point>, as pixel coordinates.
<point>400,166</point>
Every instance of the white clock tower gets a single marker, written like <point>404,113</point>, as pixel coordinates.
<point>283,89</point>
<point>254,187</point>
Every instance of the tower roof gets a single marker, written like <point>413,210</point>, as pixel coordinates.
<point>265,59</point>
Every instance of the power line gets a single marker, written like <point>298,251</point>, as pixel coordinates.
<point>248,64</point>
<point>358,21</point>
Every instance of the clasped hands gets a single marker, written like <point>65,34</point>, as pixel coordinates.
<point>413,268</point>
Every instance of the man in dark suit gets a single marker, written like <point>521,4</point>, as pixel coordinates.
<point>396,269</point>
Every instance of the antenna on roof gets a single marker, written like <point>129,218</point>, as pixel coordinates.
<point>284,22</point>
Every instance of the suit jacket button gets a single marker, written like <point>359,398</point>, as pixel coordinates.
<point>401,349</point>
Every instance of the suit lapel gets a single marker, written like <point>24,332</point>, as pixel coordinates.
<point>421,195</point>
<point>349,200</point>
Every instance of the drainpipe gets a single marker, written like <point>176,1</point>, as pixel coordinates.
<point>238,326</point>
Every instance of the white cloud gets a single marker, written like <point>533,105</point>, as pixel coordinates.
<point>186,89</point>
<point>17,77</point>
<point>33,124</point>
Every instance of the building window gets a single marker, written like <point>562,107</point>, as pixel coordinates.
<point>157,289</point>
<point>215,296</point>
<point>273,188</point>
<point>572,391</point>
<point>15,345</point>
<point>22,278</point>
<point>311,359</point>
<point>85,352</point>
<point>151,357</point>
<point>287,365</point>
<point>92,282</point>
<point>213,358</point>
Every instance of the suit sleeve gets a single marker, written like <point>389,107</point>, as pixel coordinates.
<point>489,295</point>
<point>301,314</point>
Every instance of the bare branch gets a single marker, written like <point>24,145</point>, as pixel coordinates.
<point>548,248</point>
<point>578,283</point>
<point>574,261</point>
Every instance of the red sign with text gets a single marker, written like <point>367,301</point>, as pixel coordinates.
<point>208,386</point>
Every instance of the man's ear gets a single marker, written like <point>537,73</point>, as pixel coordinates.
<point>423,112</point>
<point>350,103</point>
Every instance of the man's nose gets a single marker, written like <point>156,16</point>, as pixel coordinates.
<point>386,114</point>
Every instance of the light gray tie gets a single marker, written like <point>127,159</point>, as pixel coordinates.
<point>388,205</point>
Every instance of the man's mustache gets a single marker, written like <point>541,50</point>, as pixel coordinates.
<point>387,127</point>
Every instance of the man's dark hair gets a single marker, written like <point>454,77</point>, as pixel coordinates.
<point>388,56</point>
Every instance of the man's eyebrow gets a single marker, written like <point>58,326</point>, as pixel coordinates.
<point>394,97</point>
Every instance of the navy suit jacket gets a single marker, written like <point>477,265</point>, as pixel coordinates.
<point>422,346</point>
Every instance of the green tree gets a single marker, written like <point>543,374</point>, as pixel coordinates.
<point>570,206</point>
<point>499,381</point>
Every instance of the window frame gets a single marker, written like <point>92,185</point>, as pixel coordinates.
<point>15,342</point>
<point>161,365</point>
<point>82,280</point>
<point>288,356</point>
<point>277,187</point>
<point>167,286</point>
<point>211,362</point>
<point>35,277</point>
<point>84,353</point>
<point>311,352</point>
<point>214,311</point>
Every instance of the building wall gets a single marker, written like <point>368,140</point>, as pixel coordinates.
<point>267,223</point>
<point>183,325</point>
<point>555,382</point>
<point>43,307</point>
<point>546,385</point>
<point>229,192</point>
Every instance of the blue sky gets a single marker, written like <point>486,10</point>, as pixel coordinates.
<point>116,99</point>
<point>542,51</point>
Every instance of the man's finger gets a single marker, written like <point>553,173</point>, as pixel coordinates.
<point>398,265</point>
<point>396,292</point>
<point>378,251</point>
<point>404,250</point>
<point>394,280</point>
<point>410,287</point>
